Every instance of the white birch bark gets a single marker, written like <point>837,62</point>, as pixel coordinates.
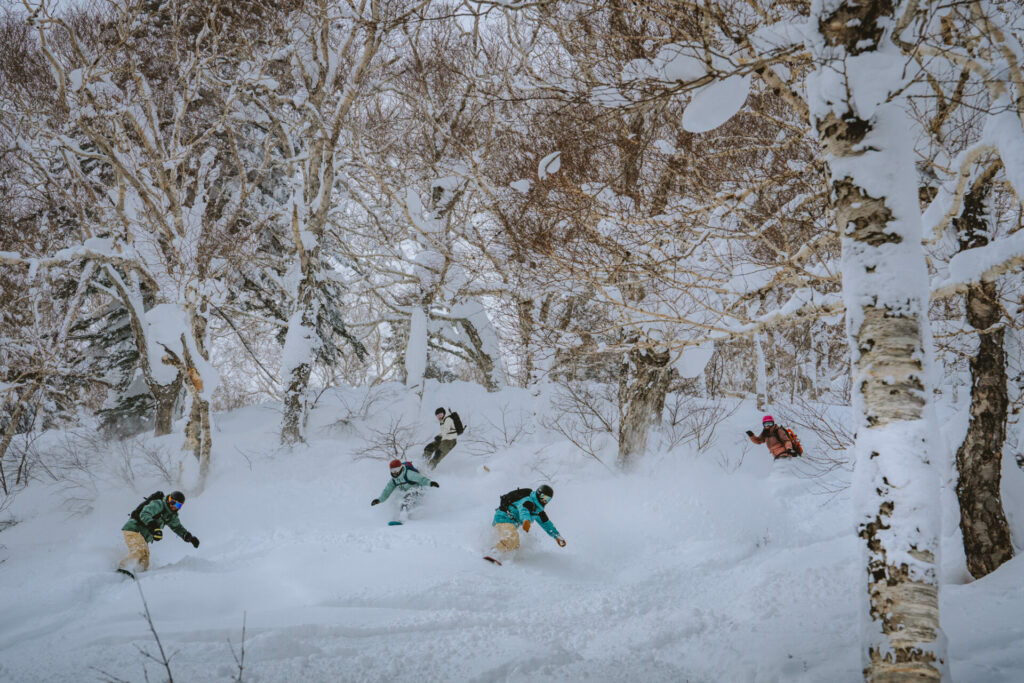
<point>858,114</point>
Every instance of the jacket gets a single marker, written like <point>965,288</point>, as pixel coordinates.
<point>528,508</point>
<point>156,515</point>
<point>448,432</point>
<point>777,439</point>
<point>406,480</point>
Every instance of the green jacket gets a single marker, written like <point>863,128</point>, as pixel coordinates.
<point>156,515</point>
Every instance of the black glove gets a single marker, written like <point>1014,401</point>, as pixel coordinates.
<point>194,541</point>
<point>750,433</point>
<point>157,534</point>
<point>793,452</point>
<point>374,502</point>
<point>435,485</point>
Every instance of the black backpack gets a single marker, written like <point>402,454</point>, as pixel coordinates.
<point>156,495</point>
<point>457,421</point>
<point>511,497</point>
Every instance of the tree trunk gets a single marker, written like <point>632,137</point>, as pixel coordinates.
<point>863,132</point>
<point>979,459</point>
<point>642,389</point>
<point>12,429</point>
<point>524,309</point>
<point>762,375</point>
<point>166,399</point>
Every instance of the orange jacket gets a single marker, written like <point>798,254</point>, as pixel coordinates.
<point>777,439</point>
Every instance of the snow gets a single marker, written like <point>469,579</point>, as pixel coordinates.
<point>715,104</point>
<point>693,359</point>
<point>522,186</point>
<point>549,165</point>
<point>683,570</point>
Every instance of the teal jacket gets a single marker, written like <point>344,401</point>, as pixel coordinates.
<point>156,515</point>
<point>528,508</point>
<point>406,480</point>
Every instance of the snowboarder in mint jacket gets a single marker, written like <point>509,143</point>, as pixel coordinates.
<point>407,480</point>
<point>444,442</point>
<point>523,511</point>
<point>153,517</point>
<point>777,439</point>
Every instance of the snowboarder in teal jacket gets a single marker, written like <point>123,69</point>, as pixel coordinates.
<point>407,480</point>
<point>523,507</point>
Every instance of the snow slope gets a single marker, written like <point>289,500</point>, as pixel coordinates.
<point>682,571</point>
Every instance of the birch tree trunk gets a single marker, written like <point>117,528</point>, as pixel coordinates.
<point>641,400</point>
<point>979,459</point>
<point>166,399</point>
<point>862,128</point>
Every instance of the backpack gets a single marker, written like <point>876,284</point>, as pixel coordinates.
<point>457,421</point>
<point>512,496</point>
<point>409,467</point>
<point>156,495</point>
<point>796,442</point>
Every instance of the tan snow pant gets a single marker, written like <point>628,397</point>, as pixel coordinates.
<point>508,537</point>
<point>138,550</point>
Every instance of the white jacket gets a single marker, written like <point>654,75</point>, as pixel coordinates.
<point>448,432</point>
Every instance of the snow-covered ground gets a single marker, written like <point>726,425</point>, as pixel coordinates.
<point>682,571</point>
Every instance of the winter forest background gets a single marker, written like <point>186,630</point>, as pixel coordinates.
<point>646,215</point>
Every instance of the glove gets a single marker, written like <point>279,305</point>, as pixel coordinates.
<point>157,534</point>
<point>374,502</point>
<point>435,485</point>
<point>793,452</point>
<point>526,526</point>
<point>750,433</point>
<point>194,541</point>
<point>560,541</point>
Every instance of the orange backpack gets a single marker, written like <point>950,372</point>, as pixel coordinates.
<point>796,442</point>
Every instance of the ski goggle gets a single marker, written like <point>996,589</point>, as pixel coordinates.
<point>768,424</point>
<point>544,498</point>
<point>174,504</point>
<point>395,471</point>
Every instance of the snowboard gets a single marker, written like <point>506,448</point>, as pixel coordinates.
<point>394,523</point>
<point>492,560</point>
<point>125,572</point>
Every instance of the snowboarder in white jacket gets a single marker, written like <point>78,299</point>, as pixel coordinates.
<point>444,442</point>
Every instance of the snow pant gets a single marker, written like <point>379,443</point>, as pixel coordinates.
<point>410,499</point>
<point>138,551</point>
<point>436,450</point>
<point>508,537</point>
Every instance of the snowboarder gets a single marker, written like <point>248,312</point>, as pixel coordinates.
<point>405,478</point>
<point>779,443</point>
<point>444,442</point>
<point>148,527</point>
<point>523,507</point>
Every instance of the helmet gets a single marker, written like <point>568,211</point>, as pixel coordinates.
<point>396,467</point>
<point>439,411</point>
<point>175,499</point>
<point>544,494</point>
<point>767,418</point>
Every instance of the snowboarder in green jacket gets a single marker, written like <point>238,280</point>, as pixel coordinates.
<point>153,517</point>
<point>407,479</point>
